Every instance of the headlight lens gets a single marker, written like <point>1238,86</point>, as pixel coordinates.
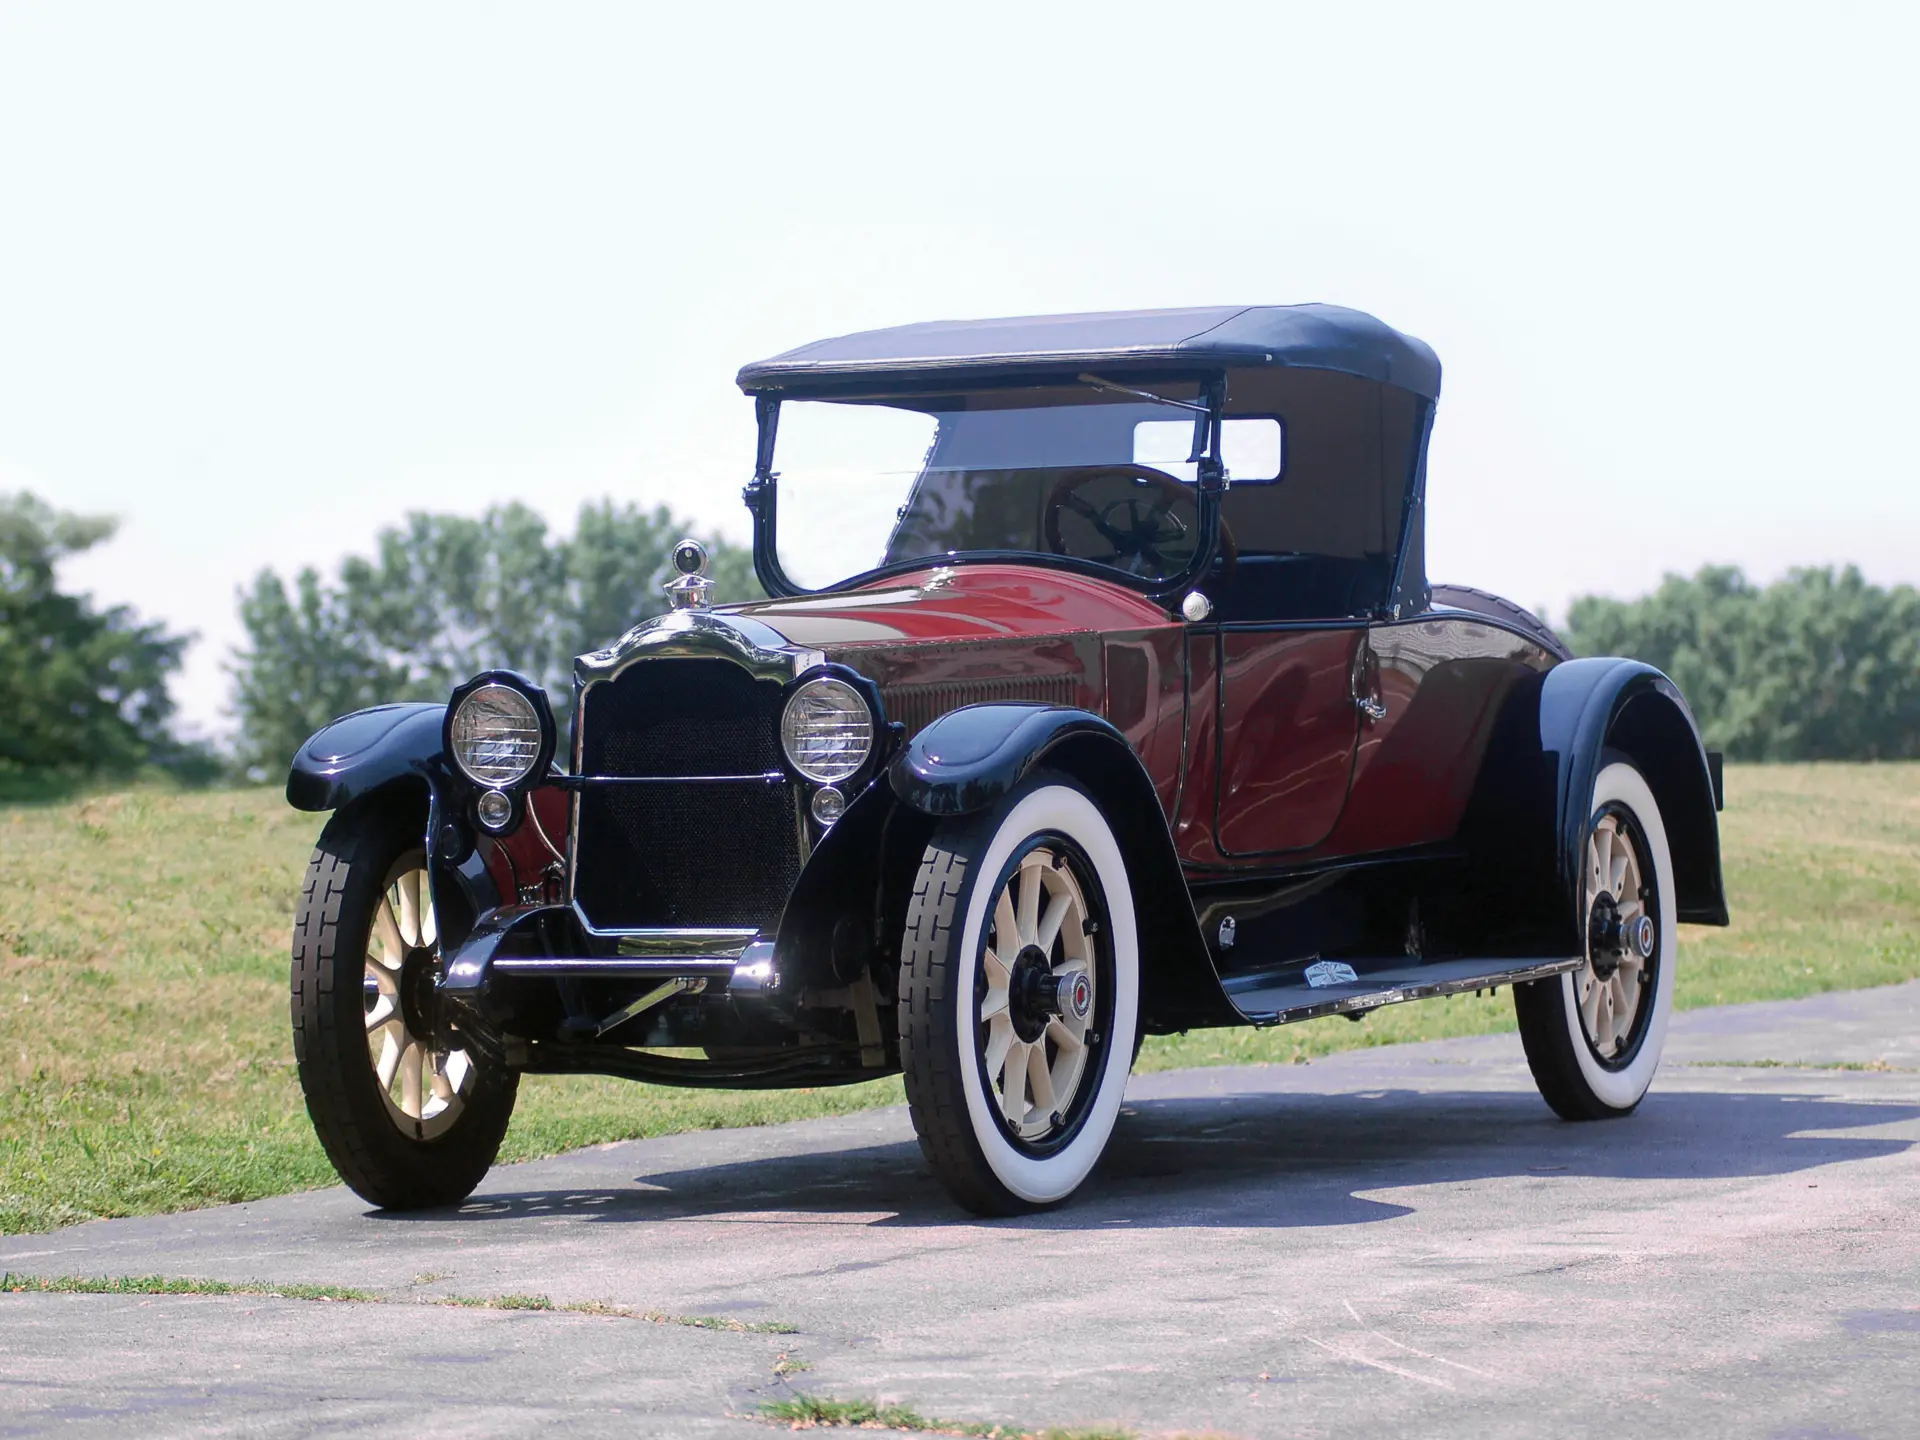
<point>827,731</point>
<point>496,736</point>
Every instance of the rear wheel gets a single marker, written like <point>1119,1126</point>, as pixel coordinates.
<point>1019,998</point>
<point>1593,1036</point>
<point>407,1124</point>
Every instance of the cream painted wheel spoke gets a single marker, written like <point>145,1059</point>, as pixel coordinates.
<point>384,1009</point>
<point>1040,1079</point>
<point>1013,1084</point>
<point>1058,909</point>
<point>410,1067</point>
<point>1006,928</point>
<point>406,892</point>
<point>387,1063</point>
<point>998,972</point>
<point>995,1003</point>
<point>1061,1035</point>
<point>997,1043</point>
<point>392,948</point>
<point>1029,899</point>
<point>1590,1007</point>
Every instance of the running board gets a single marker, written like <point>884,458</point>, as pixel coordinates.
<point>1308,990</point>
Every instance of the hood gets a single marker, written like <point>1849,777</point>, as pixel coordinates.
<point>962,602</point>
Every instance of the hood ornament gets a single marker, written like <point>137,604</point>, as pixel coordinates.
<point>694,589</point>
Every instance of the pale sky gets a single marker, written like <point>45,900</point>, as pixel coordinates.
<point>271,276</point>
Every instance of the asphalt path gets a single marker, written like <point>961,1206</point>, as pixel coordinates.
<point>1401,1241</point>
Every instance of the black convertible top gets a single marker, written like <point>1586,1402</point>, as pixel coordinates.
<point>1314,337</point>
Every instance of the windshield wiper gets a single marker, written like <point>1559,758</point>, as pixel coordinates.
<point>1099,384</point>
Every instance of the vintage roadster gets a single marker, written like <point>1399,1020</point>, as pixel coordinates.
<point>1116,702</point>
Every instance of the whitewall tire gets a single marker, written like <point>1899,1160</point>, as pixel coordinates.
<point>1019,997</point>
<point>1594,1035</point>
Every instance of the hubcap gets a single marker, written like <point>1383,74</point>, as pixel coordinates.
<point>1615,986</point>
<point>424,1089</point>
<point>1036,994</point>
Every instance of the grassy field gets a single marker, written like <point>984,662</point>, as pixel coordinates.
<point>143,1010</point>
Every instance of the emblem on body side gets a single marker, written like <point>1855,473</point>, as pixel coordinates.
<point>1323,973</point>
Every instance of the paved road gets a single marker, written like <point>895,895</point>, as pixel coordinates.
<point>1396,1242</point>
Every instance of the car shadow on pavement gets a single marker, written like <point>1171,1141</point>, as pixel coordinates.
<point>1279,1160</point>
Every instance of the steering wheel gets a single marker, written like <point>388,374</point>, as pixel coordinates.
<point>1137,526</point>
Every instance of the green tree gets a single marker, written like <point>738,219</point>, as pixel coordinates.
<point>445,596</point>
<point>308,661</point>
<point>1819,665</point>
<point>83,691</point>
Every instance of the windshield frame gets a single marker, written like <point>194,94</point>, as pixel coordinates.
<point>762,496</point>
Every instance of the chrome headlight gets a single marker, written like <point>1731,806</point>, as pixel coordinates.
<point>496,736</point>
<point>826,730</point>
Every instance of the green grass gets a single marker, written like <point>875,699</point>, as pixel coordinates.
<point>145,1063</point>
<point>12,1284</point>
<point>815,1412</point>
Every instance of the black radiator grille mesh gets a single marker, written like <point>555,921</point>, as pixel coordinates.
<point>697,855</point>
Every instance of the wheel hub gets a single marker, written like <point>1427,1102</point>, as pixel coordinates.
<point>1603,935</point>
<point>1033,994</point>
<point>417,976</point>
<point>1612,938</point>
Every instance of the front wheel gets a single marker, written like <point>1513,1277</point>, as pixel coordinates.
<point>1019,998</point>
<point>406,1123</point>
<point>1593,1036</point>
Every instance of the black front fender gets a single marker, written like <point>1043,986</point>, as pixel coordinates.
<point>976,756</point>
<point>970,758</point>
<point>366,751</point>
<point>394,756</point>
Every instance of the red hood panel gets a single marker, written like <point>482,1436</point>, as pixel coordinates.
<point>967,602</point>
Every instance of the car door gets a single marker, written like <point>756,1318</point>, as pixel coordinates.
<point>1287,728</point>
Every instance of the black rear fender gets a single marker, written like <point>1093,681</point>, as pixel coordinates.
<point>1627,707</point>
<point>1526,825</point>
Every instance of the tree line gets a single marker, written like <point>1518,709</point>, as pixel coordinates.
<point>1819,665</point>
<point>445,596</point>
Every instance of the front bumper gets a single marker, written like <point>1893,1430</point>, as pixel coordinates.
<point>533,989</point>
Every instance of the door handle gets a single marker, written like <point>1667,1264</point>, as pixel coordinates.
<point>1366,684</point>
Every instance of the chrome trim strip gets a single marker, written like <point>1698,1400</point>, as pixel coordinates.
<point>700,634</point>
<point>713,942</point>
<point>608,967</point>
<point>586,782</point>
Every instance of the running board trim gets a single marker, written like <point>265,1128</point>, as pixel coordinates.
<point>1372,992</point>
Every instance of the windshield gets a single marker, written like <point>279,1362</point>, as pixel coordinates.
<point>1073,471</point>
